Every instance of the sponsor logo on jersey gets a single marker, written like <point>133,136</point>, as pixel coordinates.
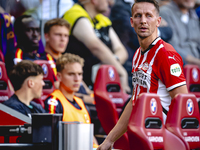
<point>156,139</point>
<point>189,107</point>
<point>140,78</point>
<point>111,73</point>
<point>191,138</point>
<point>45,70</point>
<point>153,106</point>
<point>1,72</point>
<point>195,74</point>
<point>170,57</point>
<point>52,102</point>
<point>175,70</point>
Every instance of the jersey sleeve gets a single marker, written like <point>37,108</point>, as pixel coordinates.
<point>53,105</point>
<point>171,70</point>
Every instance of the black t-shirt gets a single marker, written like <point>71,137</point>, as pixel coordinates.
<point>17,105</point>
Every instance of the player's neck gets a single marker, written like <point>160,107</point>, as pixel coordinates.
<point>31,51</point>
<point>54,54</point>
<point>90,10</point>
<point>184,10</point>
<point>69,95</point>
<point>24,96</point>
<point>144,43</point>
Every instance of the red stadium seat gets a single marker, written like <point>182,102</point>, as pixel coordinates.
<point>183,120</point>
<point>5,90</point>
<point>109,100</point>
<point>146,129</point>
<point>192,75</point>
<point>49,86</point>
<point>107,82</point>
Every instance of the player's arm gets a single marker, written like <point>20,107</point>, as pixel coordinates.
<point>86,98</point>
<point>119,129</point>
<point>117,46</point>
<point>178,90</point>
<point>87,89</point>
<point>192,60</point>
<point>84,32</point>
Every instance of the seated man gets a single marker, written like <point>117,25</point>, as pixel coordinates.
<point>56,33</point>
<point>27,80</point>
<point>63,100</point>
<point>93,38</point>
<point>182,18</point>
<point>27,32</point>
<point>57,36</point>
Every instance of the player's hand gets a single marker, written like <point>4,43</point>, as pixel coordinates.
<point>105,146</point>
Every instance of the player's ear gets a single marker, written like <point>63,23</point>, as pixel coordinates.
<point>59,76</point>
<point>30,83</point>
<point>46,36</point>
<point>93,1</point>
<point>158,21</point>
<point>131,21</point>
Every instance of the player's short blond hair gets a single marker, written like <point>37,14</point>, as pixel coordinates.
<point>68,58</point>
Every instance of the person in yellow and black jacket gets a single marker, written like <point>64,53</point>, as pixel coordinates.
<point>93,38</point>
<point>63,100</point>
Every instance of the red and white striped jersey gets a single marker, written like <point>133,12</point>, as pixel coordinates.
<point>157,70</point>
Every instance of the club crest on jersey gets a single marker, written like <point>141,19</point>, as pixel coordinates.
<point>111,73</point>
<point>189,107</point>
<point>45,70</point>
<point>145,66</point>
<point>153,106</point>
<point>175,70</point>
<point>195,74</point>
<point>52,102</point>
<point>1,72</point>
